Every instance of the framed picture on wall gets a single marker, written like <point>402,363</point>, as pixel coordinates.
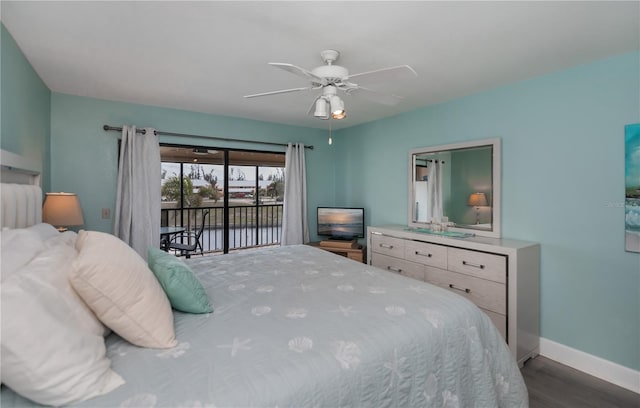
<point>632,187</point>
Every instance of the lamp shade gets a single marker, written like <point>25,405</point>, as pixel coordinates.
<point>477,200</point>
<point>62,210</point>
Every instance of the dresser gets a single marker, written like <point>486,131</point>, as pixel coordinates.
<point>501,276</point>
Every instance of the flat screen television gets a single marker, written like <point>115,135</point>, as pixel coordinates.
<point>341,223</point>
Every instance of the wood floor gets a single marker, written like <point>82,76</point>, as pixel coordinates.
<point>553,385</point>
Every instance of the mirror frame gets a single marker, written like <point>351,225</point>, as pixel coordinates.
<point>496,213</point>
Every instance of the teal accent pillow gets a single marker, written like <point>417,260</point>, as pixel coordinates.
<point>184,290</point>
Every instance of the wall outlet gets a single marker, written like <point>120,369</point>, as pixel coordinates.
<point>106,213</point>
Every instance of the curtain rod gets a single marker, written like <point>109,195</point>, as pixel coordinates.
<point>160,133</point>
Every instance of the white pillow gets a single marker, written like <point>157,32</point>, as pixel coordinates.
<point>53,266</point>
<point>17,248</point>
<point>44,230</point>
<point>62,238</point>
<point>47,356</point>
<point>122,291</point>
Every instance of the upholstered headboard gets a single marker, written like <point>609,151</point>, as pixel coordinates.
<point>21,205</point>
<point>20,192</point>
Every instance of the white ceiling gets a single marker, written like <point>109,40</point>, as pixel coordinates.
<point>204,56</point>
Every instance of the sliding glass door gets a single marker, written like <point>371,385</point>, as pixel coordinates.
<point>236,194</point>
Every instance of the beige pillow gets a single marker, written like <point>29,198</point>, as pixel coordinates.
<point>122,291</point>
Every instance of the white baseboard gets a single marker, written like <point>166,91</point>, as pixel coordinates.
<point>617,374</point>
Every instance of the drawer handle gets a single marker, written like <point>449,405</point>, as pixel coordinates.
<point>386,246</point>
<point>391,268</point>
<point>427,255</point>
<point>460,289</point>
<point>480,266</point>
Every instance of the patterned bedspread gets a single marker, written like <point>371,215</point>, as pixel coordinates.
<point>298,326</point>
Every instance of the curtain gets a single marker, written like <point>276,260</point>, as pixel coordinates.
<point>434,192</point>
<point>295,228</point>
<point>137,214</point>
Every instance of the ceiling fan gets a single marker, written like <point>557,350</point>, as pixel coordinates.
<point>332,78</point>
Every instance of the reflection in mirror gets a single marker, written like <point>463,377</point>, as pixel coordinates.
<point>458,184</point>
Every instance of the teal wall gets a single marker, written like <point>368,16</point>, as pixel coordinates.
<point>25,104</point>
<point>84,158</point>
<point>563,186</point>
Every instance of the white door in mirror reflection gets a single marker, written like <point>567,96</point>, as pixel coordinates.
<point>434,191</point>
<point>422,204</point>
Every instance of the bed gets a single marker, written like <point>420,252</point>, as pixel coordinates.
<point>297,326</point>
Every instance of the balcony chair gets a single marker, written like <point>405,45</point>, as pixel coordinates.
<point>192,239</point>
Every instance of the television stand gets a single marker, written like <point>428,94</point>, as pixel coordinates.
<point>339,243</point>
<point>350,249</point>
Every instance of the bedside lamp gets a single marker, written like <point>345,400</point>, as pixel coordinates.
<point>477,200</point>
<point>62,210</point>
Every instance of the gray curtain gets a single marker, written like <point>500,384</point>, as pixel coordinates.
<point>137,215</point>
<point>295,228</point>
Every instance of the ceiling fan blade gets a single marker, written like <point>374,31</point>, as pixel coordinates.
<point>374,96</point>
<point>278,92</point>
<point>398,73</point>
<point>298,71</point>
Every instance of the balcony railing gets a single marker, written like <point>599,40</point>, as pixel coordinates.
<point>249,226</point>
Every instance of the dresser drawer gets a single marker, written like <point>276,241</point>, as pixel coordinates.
<point>479,264</point>
<point>425,253</point>
<point>383,244</point>
<point>484,293</point>
<point>499,320</point>
<point>405,268</point>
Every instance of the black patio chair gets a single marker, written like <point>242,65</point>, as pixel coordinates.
<point>192,240</point>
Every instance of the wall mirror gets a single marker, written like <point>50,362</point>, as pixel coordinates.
<point>457,182</point>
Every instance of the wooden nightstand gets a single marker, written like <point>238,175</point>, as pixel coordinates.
<point>358,254</point>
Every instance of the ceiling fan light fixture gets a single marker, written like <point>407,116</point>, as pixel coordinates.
<point>321,111</point>
<point>337,108</point>
<point>339,115</point>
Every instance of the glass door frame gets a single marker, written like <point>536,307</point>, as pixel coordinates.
<point>225,189</point>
